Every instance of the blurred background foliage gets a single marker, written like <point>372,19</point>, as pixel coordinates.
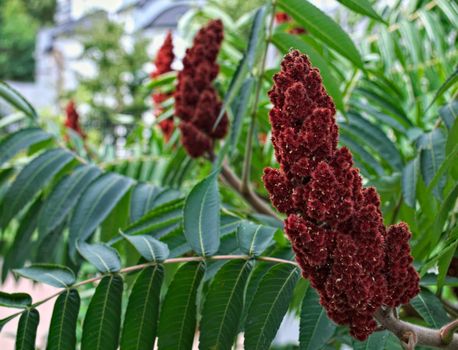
<point>19,22</point>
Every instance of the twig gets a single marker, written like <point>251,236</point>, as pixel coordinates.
<point>447,331</point>
<point>249,145</point>
<point>167,261</point>
<point>406,331</point>
<point>249,195</point>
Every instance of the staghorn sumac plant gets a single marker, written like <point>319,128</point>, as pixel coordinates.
<point>175,244</point>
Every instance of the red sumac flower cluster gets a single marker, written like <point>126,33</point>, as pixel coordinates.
<point>163,64</point>
<point>72,118</point>
<point>334,224</point>
<point>197,103</point>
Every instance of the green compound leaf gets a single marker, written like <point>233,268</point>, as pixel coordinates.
<point>103,317</point>
<point>62,331</point>
<point>177,322</point>
<point>140,323</point>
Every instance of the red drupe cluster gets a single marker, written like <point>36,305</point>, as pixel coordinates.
<point>282,17</point>
<point>72,119</point>
<point>334,224</point>
<point>163,63</point>
<point>197,103</point>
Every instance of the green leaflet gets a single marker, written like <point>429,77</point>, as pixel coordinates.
<point>363,7</point>
<point>21,249</point>
<point>201,216</point>
<point>315,327</point>
<point>20,140</point>
<point>430,309</point>
<point>376,341</point>
<point>140,323</point>
<point>163,217</point>
<point>31,179</point>
<point>224,306</point>
<point>27,330</point>
<point>449,114</point>
<point>269,306</point>
<point>14,98</point>
<point>149,248</point>
<point>103,257</point>
<point>95,204</point>
<point>240,111</point>
<point>248,61</point>
<point>54,275</point>
<point>322,27</point>
<point>451,81</point>
<point>103,317</point>
<point>409,182</point>
<point>63,198</point>
<point>62,331</point>
<point>177,322</point>
<point>432,153</point>
<point>16,300</point>
<point>254,239</point>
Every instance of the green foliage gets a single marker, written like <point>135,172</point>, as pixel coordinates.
<point>17,30</point>
<point>119,78</point>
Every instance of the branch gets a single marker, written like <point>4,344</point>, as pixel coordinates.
<point>247,193</point>
<point>405,331</point>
